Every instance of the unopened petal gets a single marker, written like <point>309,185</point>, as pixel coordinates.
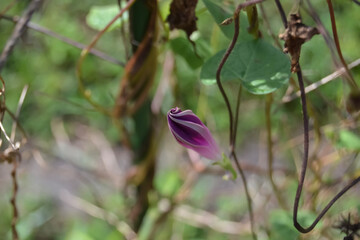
<point>191,133</point>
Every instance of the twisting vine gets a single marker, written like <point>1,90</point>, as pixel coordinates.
<point>306,145</point>
<point>304,167</point>
<point>234,121</point>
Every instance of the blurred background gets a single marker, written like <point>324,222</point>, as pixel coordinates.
<point>82,174</point>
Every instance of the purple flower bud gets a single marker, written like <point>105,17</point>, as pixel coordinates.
<point>190,132</point>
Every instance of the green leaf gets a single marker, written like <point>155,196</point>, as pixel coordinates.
<point>259,66</point>
<point>168,183</point>
<point>99,16</point>
<point>220,12</point>
<point>183,47</point>
<point>76,234</point>
<point>148,223</point>
<point>348,140</point>
<point>281,225</point>
<point>225,163</point>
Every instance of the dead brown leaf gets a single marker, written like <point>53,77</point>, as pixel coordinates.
<point>294,36</point>
<point>182,15</point>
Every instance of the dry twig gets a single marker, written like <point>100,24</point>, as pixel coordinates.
<point>201,218</point>
<point>69,41</point>
<point>321,82</point>
<point>18,31</point>
<point>100,213</point>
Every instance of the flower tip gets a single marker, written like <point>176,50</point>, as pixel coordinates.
<point>191,133</point>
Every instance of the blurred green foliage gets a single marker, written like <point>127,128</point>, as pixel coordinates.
<point>99,16</point>
<point>48,66</point>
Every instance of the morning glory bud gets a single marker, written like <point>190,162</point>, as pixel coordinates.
<point>190,132</point>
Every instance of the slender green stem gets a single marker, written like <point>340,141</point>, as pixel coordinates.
<point>248,197</point>
<point>279,198</point>
<point>233,122</point>
<point>224,59</point>
<point>237,115</point>
<point>337,44</point>
<point>238,166</point>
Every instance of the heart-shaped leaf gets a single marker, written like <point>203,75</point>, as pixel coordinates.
<point>259,66</point>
